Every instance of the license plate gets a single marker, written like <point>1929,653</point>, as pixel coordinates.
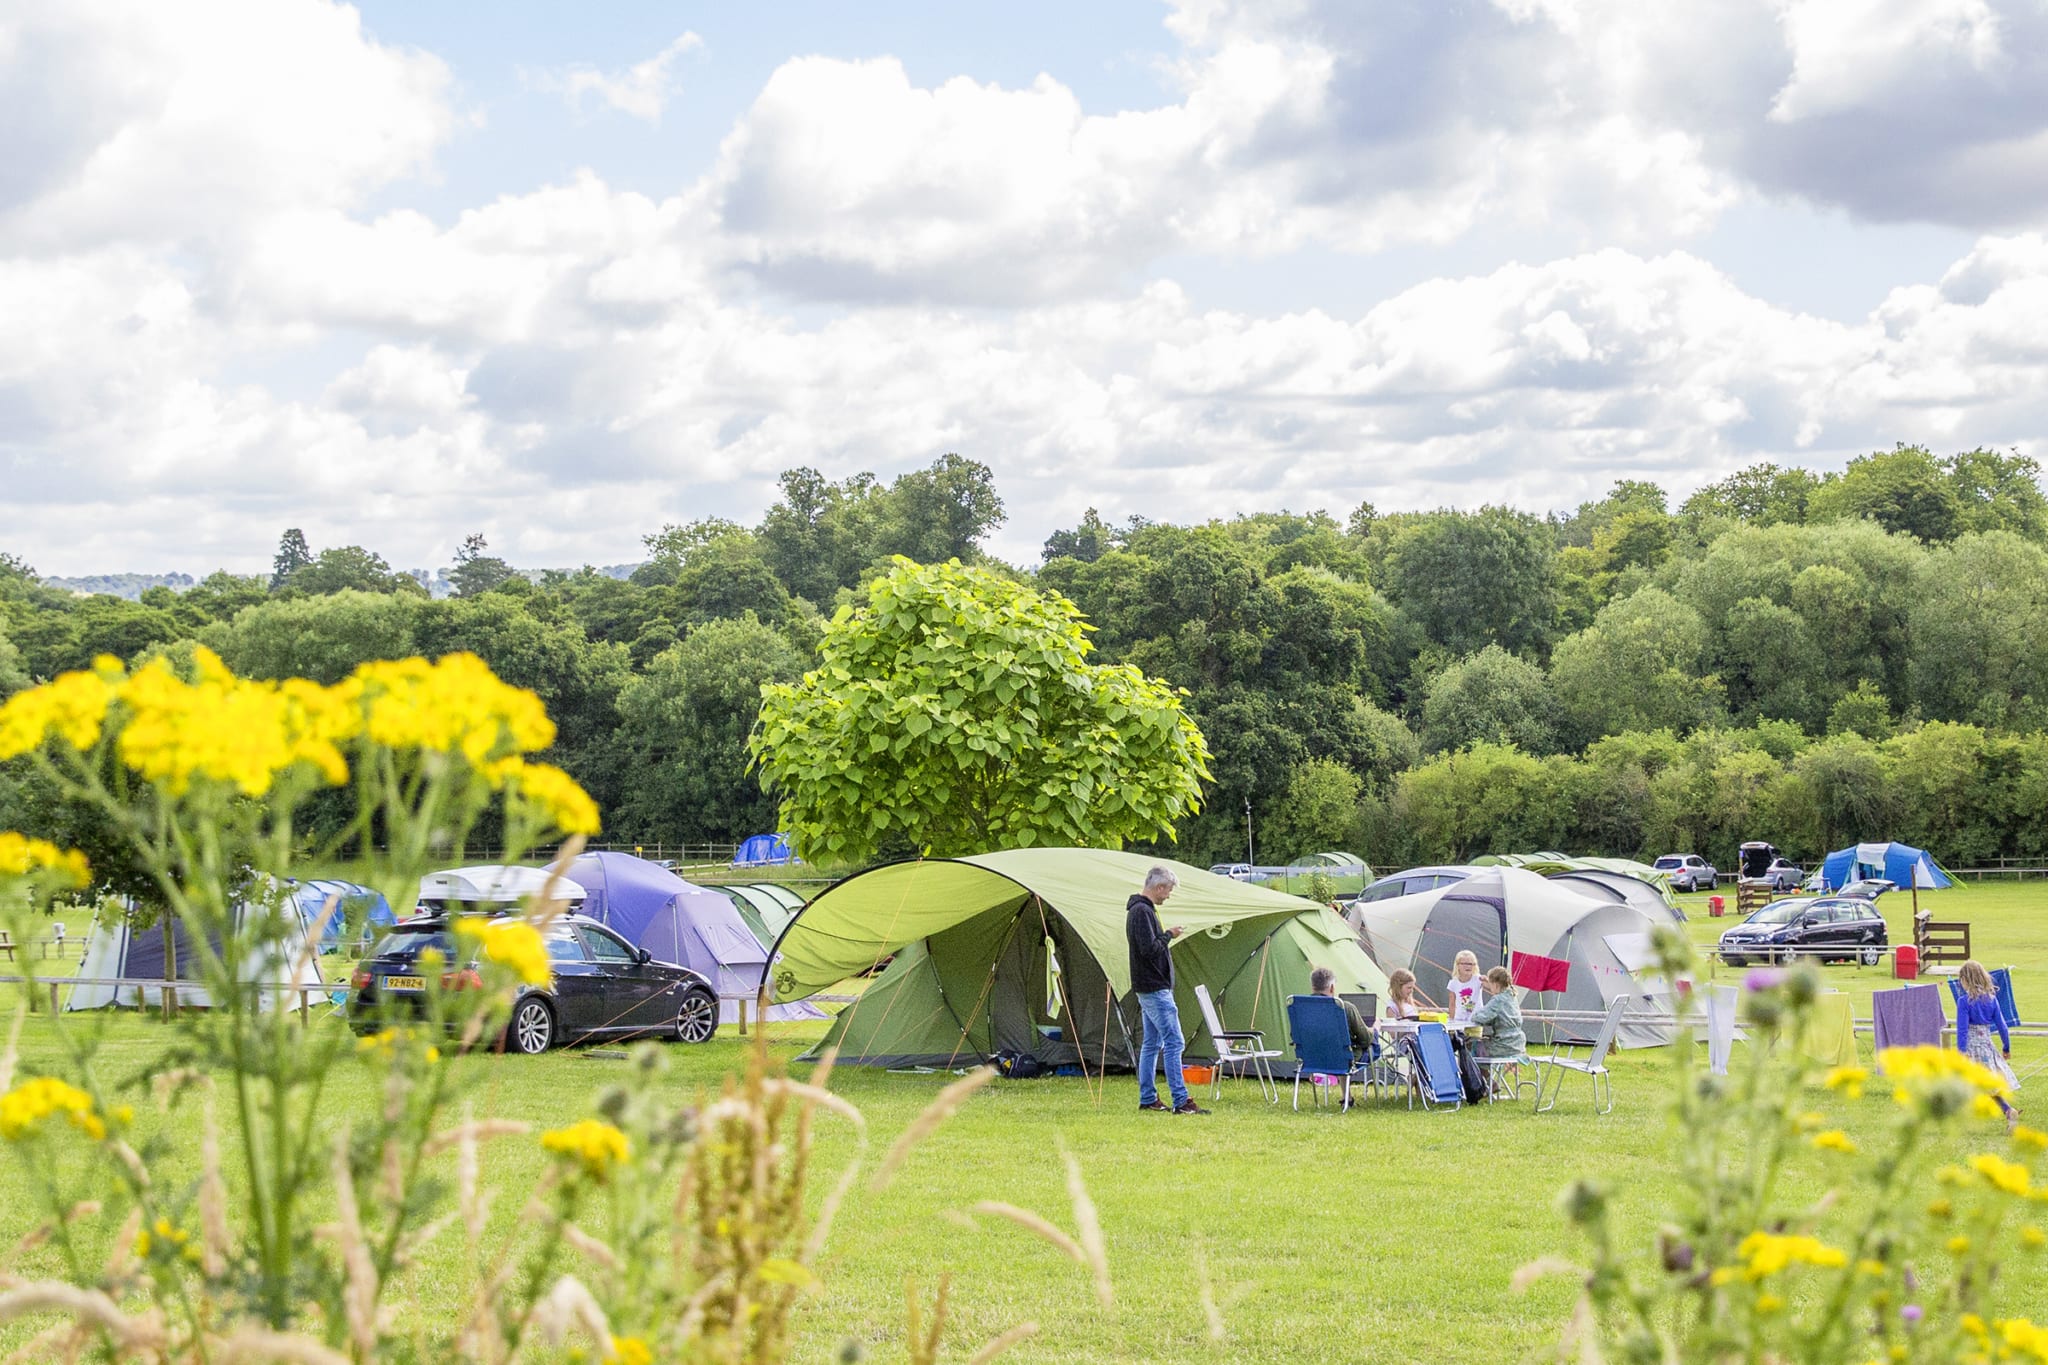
<point>405,983</point>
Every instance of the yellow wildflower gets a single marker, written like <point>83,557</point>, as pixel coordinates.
<point>1848,1079</point>
<point>2019,1334</point>
<point>1833,1140</point>
<point>1927,1064</point>
<point>2029,1137</point>
<point>23,1108</point>
<point>512,942</point>
<point>71,706</point>
<point>1768,1303</point>
<point>566,804</point>
<point>1766,1253</point>
<point>2009,1176</point>
<point>632,1351</point>
<point>454,705</point>
<point>20,855</point>
<point>1984,1107</point>
<point>241,732</point>
<point>1974,1325</point>
<point>1958,1244</point>
<point>1870,1267</point>
<point>2033,1238</point>
<point>596,1146</point>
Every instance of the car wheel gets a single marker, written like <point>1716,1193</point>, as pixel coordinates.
<point>1713,882</point>
<point>1871,954</point>
<point>532,1030</point>
<point>697,1020</point>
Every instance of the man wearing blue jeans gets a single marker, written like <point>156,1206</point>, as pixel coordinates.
<point>1152,983</point>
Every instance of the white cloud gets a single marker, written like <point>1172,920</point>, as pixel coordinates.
<point>642,90</point>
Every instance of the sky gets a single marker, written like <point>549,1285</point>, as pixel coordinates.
<point>397,273</point>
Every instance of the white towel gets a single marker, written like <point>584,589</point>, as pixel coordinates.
<point>1721,1003</point>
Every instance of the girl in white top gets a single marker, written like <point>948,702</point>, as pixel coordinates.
<point>1463,988</point>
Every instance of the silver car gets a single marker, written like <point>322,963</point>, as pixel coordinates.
<point>1688,872</point>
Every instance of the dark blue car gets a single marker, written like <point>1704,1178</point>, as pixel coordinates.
<point>1841,928</point>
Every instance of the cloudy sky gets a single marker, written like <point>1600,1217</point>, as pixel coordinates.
<point>398,272</point>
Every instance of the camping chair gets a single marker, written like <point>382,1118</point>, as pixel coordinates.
<point>1507,1077</point>
<point>1247,1049</point>
<point>1434,1074</point>
<point>1594,1066</point>
<point>1322,1043</point>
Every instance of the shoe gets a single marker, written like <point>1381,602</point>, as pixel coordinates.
<point>1157,1106</point>
<point>1187,1106</point>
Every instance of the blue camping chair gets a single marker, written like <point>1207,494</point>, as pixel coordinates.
<point>2001,982</point>
<point>1322,1042</point>
<point>1434,1073</point>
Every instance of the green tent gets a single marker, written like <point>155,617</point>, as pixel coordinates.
<point>1025,950</point>
<point>766,907</point>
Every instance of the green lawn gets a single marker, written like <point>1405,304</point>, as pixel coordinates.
<point>1381,1235</point>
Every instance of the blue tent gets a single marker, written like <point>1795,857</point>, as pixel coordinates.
<point>764,850</point>
<point>350,900</point>
<point>1902,866</point>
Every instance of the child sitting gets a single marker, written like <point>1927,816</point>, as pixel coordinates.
<point>1404,1001</point>
<point>1501,1018</point>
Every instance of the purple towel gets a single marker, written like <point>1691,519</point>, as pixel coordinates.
<point>1908,1017</point>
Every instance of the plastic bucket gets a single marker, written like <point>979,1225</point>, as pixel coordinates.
<point>1906,962</point>
<point>1717,906</point>
<point>1198,1075</point>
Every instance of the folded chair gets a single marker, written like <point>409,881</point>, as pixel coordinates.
<point>1246,1048</point>
<point>1322,1043</point>
<point>1434,1070</point>
<point>1594,1067</point>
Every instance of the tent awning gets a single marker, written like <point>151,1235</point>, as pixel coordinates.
<point>863,919</point>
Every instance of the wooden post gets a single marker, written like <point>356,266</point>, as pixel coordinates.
<point>53,999</point>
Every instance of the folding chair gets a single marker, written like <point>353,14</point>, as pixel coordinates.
<point>1594,1067</point>
<point>1246,1048</point>
<point>1498,1086</point>
<point>1322,1043</point>
<point>1435,1075</point>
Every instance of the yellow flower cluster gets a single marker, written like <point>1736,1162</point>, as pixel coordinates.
<point>23,1108</point>
<point>1834,1140</point>
<point>21,855</point>
<point>632,1351</point>
<point>246,733</point>
<point>238,731</point>
<point>1848,1079</point>
<point>513,943</point>
<point>166,1234</point>
<point>1766,1253</point>
<point>597,1147</point>
<point>454,705</point>
<point>568,806</point>
<point>2017,1338</point>
<point>1917,1067</point>
<point>386,1044</point>
<point>2001,1174</point>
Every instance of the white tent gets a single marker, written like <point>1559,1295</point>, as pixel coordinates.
<point>1602,885</point>
<point>1502,911</point>
<point>494,884</point>
<point>118,948</point>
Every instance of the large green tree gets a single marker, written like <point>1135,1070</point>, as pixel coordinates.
<point>1490,698</point>
<point>957,711</point>
<point>1472,579</point>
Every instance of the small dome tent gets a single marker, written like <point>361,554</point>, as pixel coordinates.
<point>764,850</point>
<point>1502,911</point>
<point>652,908</point>
<point>1024,949</point>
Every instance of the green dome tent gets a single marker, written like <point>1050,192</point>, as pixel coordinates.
<point>1025,950</point>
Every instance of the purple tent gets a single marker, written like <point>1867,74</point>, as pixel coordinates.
<point>655,909</point>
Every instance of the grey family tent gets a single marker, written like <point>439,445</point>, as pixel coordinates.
<point>1620,886</point>
<point>1501,912</point>
<point>1025,950</point>
<point>1550,864</point>
<point>280,956</point>
<point>652,908</point>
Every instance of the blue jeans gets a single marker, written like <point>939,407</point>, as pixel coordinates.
<point>1162,1039</point>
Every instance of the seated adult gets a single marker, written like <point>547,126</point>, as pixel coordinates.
<point>1500,1019</point>
<point>1323,981</point>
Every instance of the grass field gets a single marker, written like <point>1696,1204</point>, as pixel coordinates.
<point>1379,1235</point>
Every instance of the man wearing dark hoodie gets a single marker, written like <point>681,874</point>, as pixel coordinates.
<point>1152,983</point>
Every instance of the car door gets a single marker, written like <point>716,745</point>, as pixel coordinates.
<point>579,986</point>
<point>1824,930</point>
<point>637,994</point>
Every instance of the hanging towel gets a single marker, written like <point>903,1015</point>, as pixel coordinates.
<point>1721,1006</point>
<point>1831,1033</point>
<point>1908,1017</point>
<point>1535,972</point>
<point>2001,981</point>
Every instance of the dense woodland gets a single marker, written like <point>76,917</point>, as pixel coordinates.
<point>1805,658</point>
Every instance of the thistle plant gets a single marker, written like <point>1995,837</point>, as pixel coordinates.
<point>1904,1258</point>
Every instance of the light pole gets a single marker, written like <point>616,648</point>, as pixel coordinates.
<point>1248,859</point>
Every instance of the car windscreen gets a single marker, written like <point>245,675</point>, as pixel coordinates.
<point>1784,912</point>
<point>408,943</point>
<point>1670,862</point>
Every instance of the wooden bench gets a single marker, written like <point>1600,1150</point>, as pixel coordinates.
<point>1941,940</point>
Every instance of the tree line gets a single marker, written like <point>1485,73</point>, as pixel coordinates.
<point>1808,658</point>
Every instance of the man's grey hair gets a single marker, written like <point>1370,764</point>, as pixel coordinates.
<point>1161,876</point>
<point>1321,980</point>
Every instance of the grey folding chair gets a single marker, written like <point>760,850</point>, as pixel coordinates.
<point>1593,1067</point>
<point>1245,1048</point>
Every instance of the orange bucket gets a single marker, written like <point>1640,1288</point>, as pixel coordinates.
<point>1198,1075</point>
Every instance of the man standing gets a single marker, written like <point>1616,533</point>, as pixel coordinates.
<point>1152,983</point>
